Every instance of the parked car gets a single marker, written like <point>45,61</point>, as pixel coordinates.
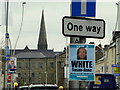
<point>43,87</point>
<point>23,87</point>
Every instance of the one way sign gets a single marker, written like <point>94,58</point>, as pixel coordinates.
<point>84,27</point>
<point>84,8</point>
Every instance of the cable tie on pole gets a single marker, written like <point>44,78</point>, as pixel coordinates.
<point>7,53</point>
<point>7,35</point>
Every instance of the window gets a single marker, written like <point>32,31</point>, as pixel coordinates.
<point>51,65</point>
<point>39,74</point>
<point>40,65</point>
<point>118,44</point>
<point>106,80</point>
<point>106,68</point>
<point>19,65</point>
<point>62,64</point>
<point>25,74</point>
<point>33,64</point>
<point>18,74</point>
<point>102,69</point>
<point>33,74</point>
<point>26,65</point>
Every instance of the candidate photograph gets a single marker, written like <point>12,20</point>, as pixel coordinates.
<point>82,54</point>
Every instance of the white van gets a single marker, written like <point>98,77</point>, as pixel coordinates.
<point>43,87</point>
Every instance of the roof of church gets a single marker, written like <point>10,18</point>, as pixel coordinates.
<point>27,53</point>
<point>35,54</point>
<point>41,51</point>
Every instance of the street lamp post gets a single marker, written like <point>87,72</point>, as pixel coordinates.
<point>56,69</point>
<point>46,72</point>
<point>6,46</point>
<point>29,72</point>
<point>0,75</point>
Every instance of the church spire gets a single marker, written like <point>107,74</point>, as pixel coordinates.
<point>42,42</point>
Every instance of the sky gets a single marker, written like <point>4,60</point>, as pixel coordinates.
<point>54,11</point>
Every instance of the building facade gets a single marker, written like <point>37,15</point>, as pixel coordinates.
<point>40,70</point>
<point>41,65</point>
<point>104,64</point>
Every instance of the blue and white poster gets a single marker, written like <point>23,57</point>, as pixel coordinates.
<point>12,65</point>
<point>81,62</point>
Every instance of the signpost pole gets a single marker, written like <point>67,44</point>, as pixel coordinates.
<point>75,6</point>
<point>7,48</point>
<point>117,45</point>
<point>80,40</point>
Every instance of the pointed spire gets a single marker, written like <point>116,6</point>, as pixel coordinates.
<point>26,48</point>
<point>42,42</point>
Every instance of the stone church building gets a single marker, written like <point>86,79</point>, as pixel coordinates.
<point>41,65</point>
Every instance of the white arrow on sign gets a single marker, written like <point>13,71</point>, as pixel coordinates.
<point>83,7</point>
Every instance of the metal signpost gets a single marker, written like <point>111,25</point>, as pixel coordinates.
<point>6,48</point>
<point>78,28</point>
<point>83,9</point>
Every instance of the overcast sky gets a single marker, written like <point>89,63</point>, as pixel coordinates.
<point>53,12</point>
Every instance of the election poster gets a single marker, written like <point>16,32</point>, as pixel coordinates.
<point>82,62</point>
<point>12,64</point>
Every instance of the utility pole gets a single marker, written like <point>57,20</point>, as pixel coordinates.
<point>0,74</point>
<point>57,69</point>
<point>6,46</point>
<point>66,68</point>
<point>46,72</point>
<point>29,73</point>
<point>118,7</point>
<point>118,42</point>
<point>78,32</point>
<point>80,40</point>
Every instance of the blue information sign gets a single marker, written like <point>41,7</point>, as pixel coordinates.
<point>116,69</point>
<point>84,8</point>
<point>115,65</point>
<point>82,62</point>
